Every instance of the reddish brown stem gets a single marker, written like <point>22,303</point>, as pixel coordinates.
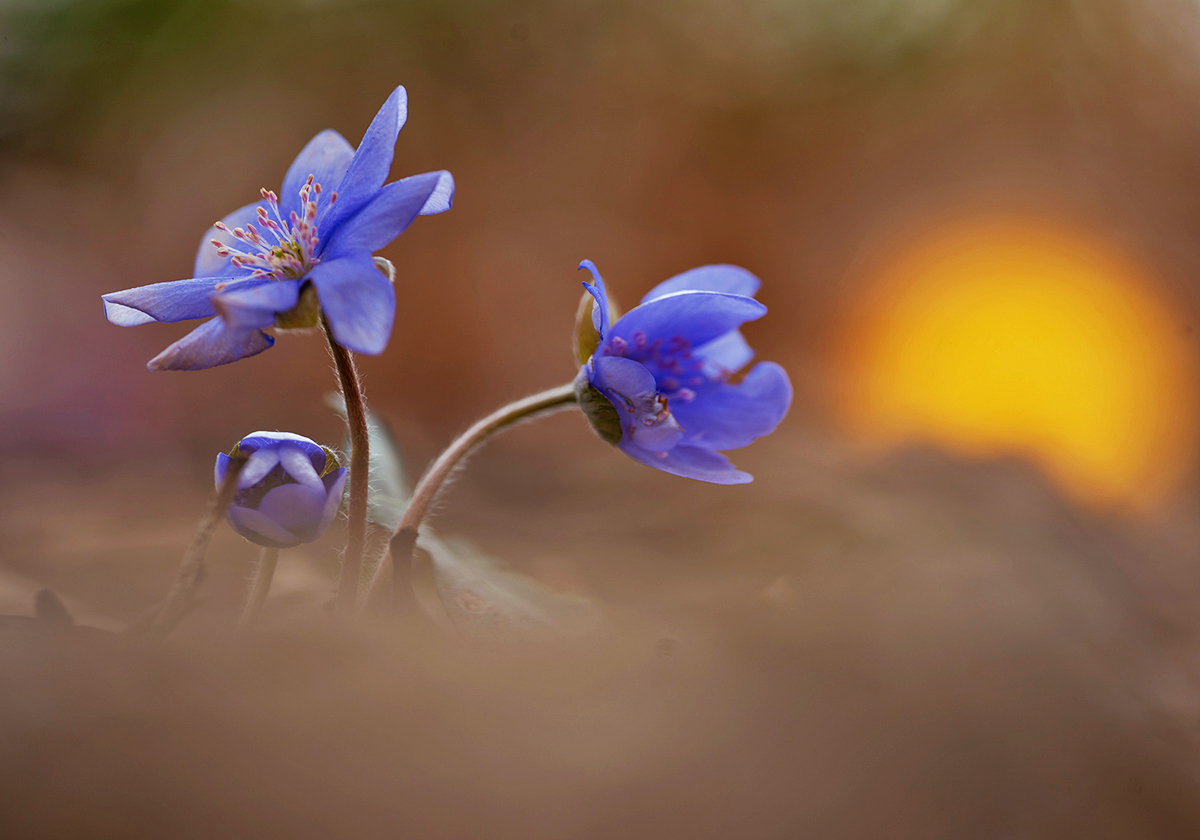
<point>360,472</point>
<point>181,598</point>
<point>405,538</point>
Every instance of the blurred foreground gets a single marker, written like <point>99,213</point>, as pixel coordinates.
<point>922,648</point>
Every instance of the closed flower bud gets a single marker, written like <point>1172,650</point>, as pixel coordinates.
<point>289,491</point>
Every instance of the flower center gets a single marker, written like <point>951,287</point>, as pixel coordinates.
<point>274,248</point>
<point>676,371</point>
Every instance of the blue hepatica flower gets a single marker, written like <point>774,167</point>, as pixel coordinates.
<point>660,384</point>
<point>289,491</point>
<point>272,262</point>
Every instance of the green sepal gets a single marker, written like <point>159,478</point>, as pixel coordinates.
<point>600,412</point>
<point>331,461</point>
<point>386,268</point>
<point>304,315</point>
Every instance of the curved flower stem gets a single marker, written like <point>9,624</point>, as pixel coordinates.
<point>405,538</point>
<point>182,596</point>
<point>360,471</point>
<point>264,572</point>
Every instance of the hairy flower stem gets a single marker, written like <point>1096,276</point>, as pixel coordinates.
<point>264,573</point>
<point>404,541</point>
<point>360,471</point>
<point>182,595</point>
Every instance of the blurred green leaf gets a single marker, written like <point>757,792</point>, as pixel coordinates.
<point>483,597</point>
<point>479,595</point>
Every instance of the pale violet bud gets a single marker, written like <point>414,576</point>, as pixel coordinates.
<point>289,492</point>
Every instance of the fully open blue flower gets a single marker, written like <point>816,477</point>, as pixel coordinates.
<point>255,267</point>
<point>665,372</point>
<point>289,491</point>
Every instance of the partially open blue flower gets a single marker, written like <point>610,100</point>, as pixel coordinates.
<point>289,491</point>
<point>256,267</point>
<point>661,381</point>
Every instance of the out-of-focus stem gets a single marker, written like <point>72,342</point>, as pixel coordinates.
<point>264,573</point>
<point>405,539</point>
<point>374,555</point>
<point>191,570</point>
<point>360,469</point>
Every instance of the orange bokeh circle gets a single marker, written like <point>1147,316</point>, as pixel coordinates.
<point>994,336</point>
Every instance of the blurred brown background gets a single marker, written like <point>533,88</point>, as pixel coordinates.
<point>860,644</point>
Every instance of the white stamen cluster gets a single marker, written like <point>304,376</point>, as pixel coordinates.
<point>274,248</point>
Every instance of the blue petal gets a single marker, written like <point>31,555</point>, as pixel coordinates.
<point>336,482</point>
<point>297,464</point>
<point>258,467</point>
<point>211,344</point>
<point>625,376</point>
<point>177,300</point>
<point>326,158</point>
<point>295,508</point>
<point>261,440</point>
<point>386,216</point>
<point>442,197</point>
<point>690,462</point>
<point>211,264</point>
<point>725,355</point>
<point>697,317</point>
<point>730,279</point>
<point>371,163</point>
<point>259,528</point>
<point>358,301</point>
<point>732,416</point>
<point>631,389</point>
<point>256,306</point>
<point>600,308</point>
<point>220,468</point>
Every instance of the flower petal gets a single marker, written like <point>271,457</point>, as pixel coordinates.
<point>297,464</point>
<point>372,160</point>
<point>732,416</point>
<point>358,301</point>
<point>176,300</point>
<point>260,463</point>
<point>442,197</point>
<point>631,389</point>
<point>326,158</point>
<point>211,264</point>
<point>386,216</point>
<point>220,468</point>
<point>690,462</point>
<point>624,376</point>
<point>256,306</point>
<point>211,344</point>
<point>259,529</point>
<point>297,508</point>
<point>259,440</point>
<point>729,279</point>
<point>725,355</point>
<point>333,499</point>
<point>697,317</point>
<point>600,307</point>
